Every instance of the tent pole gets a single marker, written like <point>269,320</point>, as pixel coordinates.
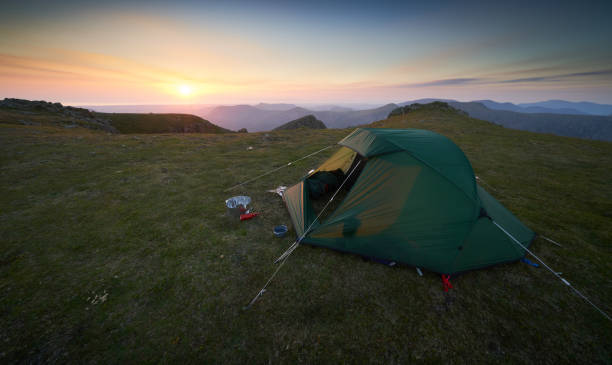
<point>552,271</point>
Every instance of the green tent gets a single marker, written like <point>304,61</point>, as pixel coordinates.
<point>413,199</point>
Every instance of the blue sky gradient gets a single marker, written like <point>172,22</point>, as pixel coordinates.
<point>234,51</point>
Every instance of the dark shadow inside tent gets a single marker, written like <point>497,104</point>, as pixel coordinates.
<point>325,181</point>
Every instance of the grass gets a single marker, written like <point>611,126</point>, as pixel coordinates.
<point>116,248</point>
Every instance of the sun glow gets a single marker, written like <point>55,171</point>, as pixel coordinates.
<point>184,90</point>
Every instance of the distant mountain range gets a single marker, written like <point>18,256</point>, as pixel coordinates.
<point>583,106</point>
<point>521,108</point>
<point>550,106</point>
<point>256,119</point>
<point>576,119</point>
<point>275,107</point>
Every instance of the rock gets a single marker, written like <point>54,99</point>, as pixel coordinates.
<point>436,105</point>
<point>74,116</point>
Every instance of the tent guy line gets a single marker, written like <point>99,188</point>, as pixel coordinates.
<point>552,241</point>
<point>553,271</point>
<point>278,168</point>
<point>260,293</point>
<point>297,242</point>
<point>283,258</point>
<point>557,274</point>
<point>495,190</point>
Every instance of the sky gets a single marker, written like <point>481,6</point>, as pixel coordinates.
<point>232,52</point>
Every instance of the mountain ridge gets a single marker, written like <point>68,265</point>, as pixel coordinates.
<point>586,107</point>
<point>308,121</point>
<point>550,106</point>
<point>256,120</point>
<point>594,127</point>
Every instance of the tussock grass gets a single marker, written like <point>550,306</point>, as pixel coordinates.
<point>116,248</point>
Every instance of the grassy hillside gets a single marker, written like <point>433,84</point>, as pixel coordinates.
<point>160,123</point>
<point>116,248</point>
<point>42,113</point>
<point>598,127</point>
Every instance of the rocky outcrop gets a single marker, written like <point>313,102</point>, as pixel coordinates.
<point>38,112</point>
<point>436,105</point>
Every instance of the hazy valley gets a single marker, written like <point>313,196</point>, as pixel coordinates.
<point>583,120</point>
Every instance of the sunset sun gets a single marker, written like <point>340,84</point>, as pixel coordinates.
<point>184,90</point>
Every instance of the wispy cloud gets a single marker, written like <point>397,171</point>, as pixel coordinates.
<point>500,80</point>
<point>444,82</point>
<point>559,77</point>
